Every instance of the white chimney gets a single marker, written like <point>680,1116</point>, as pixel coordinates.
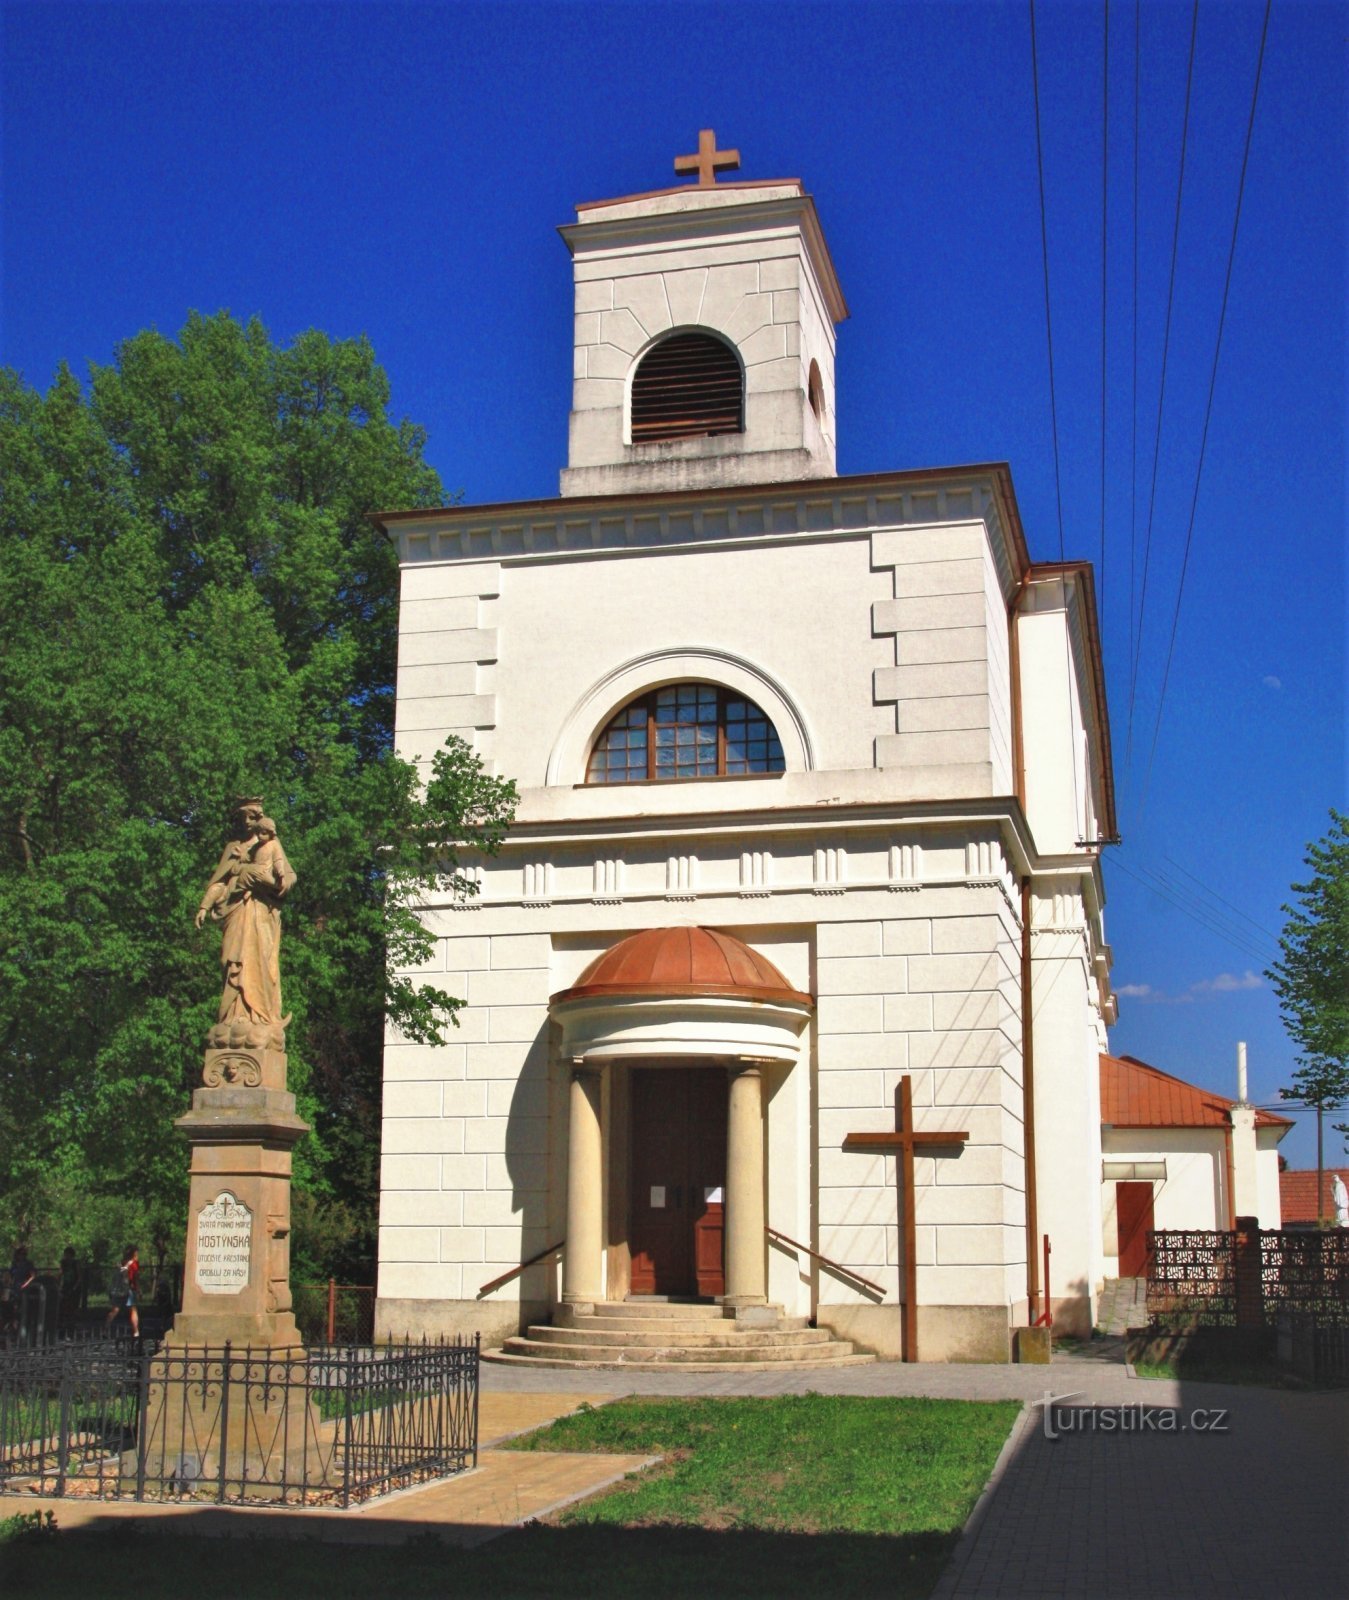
<point>1241,1072</point>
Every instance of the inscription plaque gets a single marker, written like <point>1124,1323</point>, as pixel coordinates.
<point>224,1245</point>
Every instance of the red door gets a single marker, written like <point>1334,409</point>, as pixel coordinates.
<point>676,1229</point>
<point>1133,1216</point>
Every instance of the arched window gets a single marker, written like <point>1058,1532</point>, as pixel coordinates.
<point>685,730</point>
<point>685,387</point>
<point>815,390</point>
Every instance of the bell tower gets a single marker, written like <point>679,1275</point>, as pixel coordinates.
<point>704,335</point>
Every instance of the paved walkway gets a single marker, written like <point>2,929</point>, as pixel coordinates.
<point>1260,1509</point>
<point>507,1488</point>
<point>1257,1509</point>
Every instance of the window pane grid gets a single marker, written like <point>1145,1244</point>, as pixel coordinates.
<point>685,730</point>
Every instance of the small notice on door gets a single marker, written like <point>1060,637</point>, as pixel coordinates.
<point>658,1197</point>
<point>712,1197</point>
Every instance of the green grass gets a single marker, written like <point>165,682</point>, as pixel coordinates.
<point>802,1463</point>
<point>1206,1369</point>
<point>829,1496</point>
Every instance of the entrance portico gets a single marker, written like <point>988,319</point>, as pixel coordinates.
<point>675,999</point>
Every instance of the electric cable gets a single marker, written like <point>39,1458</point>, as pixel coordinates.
<point>1208,413</point>
<point>1044,251</point>
<point>1161,394</point>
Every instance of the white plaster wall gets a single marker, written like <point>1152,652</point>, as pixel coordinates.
<point>1267,1176</point>
<point>949,680</point>
<point>1067,1118</point>
<point>1061,801</point>
<point>922,989</point>
<point>916,980</point>
<point>1194,1192</point>
<point>569,624</point>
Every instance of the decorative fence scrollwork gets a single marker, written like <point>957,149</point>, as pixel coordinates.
<point>1196,1278</point>
<point>329,1426</point>
<point>1192,1277</point>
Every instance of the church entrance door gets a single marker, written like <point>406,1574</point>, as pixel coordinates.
<point>676,1229</point>
<point>1133,1213</point>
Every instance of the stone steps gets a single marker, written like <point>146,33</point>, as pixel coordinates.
<point>627,1338</point>
<point>666,1336</point>
<point>673,1328</point>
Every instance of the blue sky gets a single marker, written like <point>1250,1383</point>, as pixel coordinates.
<point>399,170</point>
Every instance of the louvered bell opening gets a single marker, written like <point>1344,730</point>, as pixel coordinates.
<point>687,386</point>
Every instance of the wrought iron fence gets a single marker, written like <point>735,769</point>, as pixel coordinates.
<point>331,1425</point>
<point>1192,1277</point>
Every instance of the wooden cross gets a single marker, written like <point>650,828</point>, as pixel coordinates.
<point>709,160</point>
<point>902,1142</point>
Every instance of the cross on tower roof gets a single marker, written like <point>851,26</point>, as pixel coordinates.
<point>709,160</point>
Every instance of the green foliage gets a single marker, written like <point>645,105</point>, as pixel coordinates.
<point>1311,977</point>
<point>27,1526</point>
<point>195,605</point>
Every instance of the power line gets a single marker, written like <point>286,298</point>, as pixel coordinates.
<point>1105,215</point>
<point>1196,910</point>
<point>1161,394</point>
<point>1044,251</point>
<point>1216,896</point>
<point>1133,403</point>
<point>1217,921</point>
<point>1208,409</point>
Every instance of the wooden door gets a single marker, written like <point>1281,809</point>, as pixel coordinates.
<point>676,1228</point>
<point>1133,1217</point>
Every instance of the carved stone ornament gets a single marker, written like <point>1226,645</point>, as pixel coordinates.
<point>232,1069</point>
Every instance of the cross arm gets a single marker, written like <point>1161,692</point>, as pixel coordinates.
<point>897,1141</point>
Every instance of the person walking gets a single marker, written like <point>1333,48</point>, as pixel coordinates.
<point>124,1286</point>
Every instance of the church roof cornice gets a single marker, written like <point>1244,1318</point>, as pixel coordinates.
<point>577,509</point>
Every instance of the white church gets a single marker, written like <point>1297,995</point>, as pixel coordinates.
<point>815,775</point>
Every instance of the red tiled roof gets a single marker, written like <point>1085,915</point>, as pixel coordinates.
<point>1297,1194</point>
<point>1135,1095</point>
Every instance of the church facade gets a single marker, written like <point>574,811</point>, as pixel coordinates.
<point>815,772</point>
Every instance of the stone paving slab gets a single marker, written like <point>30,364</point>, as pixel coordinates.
<point>1258,1510</point>
<point>508,1487</point>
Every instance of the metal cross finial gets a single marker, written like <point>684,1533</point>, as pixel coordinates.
<point>709,160</point>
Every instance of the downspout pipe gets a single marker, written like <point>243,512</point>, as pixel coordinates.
<point>1028,1110</point>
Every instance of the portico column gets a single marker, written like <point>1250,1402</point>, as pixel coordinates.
<point>745,1275</point>
<point>582,1255</point>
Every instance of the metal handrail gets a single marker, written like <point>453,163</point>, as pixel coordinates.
<point>836,1267</point>
<point>496,1283</point>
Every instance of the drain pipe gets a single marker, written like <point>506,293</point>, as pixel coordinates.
<point>1028,1111</point>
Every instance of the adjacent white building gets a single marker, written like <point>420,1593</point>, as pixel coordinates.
<point>846,743</point>
<point>1174,1156</point>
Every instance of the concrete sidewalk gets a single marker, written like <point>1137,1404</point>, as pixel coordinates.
<point>1257,1509</point>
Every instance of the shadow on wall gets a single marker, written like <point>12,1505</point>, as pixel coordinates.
<point>537,1112</point>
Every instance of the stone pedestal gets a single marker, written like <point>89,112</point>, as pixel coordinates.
<point>242,1128</point>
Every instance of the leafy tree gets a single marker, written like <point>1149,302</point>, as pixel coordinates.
<point>1312,979</point>
<point>195,605</point>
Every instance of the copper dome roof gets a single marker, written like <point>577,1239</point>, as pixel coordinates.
<point>670,963</point>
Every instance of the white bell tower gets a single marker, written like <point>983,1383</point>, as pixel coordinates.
<point>704,343</point>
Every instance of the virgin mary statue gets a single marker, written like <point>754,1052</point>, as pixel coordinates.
<point>244,895</point>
